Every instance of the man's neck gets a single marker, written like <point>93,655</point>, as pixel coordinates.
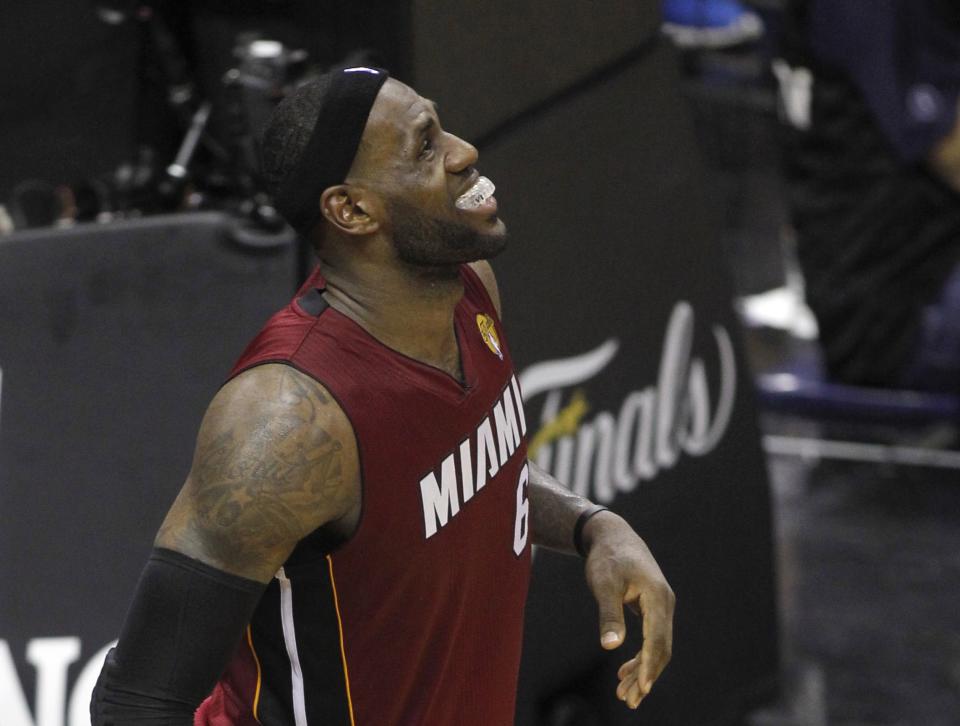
<point>406,307</point>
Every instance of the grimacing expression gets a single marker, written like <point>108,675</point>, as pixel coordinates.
<point>419,170</point>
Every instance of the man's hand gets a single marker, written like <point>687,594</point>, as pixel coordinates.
<point>621,571</point>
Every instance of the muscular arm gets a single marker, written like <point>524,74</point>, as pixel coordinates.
<point>275,459</point>
<point>619,567</point>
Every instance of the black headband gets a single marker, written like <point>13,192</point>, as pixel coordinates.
<point>328,155</point>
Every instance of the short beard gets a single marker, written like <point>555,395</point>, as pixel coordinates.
<point>424,241</point>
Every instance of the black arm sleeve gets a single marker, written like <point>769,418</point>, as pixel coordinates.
<point>184,623</point>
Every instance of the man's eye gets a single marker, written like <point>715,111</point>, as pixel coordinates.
<point>425,148</point>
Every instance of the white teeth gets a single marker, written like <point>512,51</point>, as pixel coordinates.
<point>476,195</point>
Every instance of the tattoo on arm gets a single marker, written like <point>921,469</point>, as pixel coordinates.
<point>268,470</point>
<point>553,511</point>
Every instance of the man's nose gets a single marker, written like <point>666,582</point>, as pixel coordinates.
<point>460,154</point>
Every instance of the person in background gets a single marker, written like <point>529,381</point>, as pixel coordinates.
<point>872,153</point>
<point>710,23</point>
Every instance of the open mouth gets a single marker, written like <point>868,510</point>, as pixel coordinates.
<point>476,195</point>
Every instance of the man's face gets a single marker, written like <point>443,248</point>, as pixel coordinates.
<point>420,171</point>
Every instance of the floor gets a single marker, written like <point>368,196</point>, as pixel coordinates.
<point>868,552</point>
<point>869,559</point>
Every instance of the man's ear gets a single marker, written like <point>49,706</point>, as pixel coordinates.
<point>351,209</point>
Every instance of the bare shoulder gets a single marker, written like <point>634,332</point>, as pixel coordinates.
<point>276,457</point>
<point>485,272</point>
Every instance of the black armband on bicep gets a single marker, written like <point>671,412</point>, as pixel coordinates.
<point>183,625</point>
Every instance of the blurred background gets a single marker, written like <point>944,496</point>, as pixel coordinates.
<point>735,234</point>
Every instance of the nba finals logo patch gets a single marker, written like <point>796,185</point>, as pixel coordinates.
<point>489,334</point>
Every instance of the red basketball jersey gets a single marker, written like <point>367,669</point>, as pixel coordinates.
<point>417,619</point>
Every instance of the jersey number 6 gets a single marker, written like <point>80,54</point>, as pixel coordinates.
<point>521,523</point>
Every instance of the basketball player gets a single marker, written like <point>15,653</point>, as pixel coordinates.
<point>352,544</point>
